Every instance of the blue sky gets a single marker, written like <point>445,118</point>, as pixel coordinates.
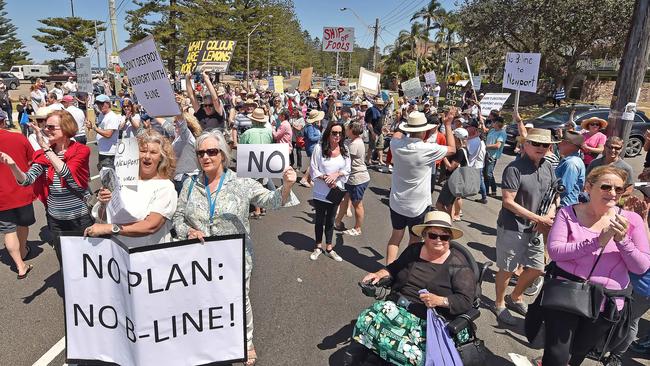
<point>394,16</point>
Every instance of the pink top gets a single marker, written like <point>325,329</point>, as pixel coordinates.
<point>594,141</point>
<point>574,248</point>
<point>283,134</point>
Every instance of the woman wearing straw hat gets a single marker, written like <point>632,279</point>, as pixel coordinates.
<point>424,265</point>
<point>594,139</point>
<point>312,136</point>
<point>243,121</point>
<point>258,134</point>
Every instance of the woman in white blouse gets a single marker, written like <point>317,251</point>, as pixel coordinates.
<point>330,168</point>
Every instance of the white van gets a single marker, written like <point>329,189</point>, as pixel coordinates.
<point>30,72</point>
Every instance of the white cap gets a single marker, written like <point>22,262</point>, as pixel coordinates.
<point>461,133</point>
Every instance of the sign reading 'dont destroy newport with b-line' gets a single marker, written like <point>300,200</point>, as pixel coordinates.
<point>209,55</point>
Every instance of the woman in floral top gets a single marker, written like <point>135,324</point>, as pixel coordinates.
<point>216,202</point>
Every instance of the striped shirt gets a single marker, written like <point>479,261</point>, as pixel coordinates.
<point>62,203</point>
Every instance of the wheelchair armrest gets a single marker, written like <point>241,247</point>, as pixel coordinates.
<point>482,268</point>
<point>463,321</point>
<point>371,290</point>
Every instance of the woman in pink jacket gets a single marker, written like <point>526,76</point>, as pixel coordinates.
<point>575,241</point>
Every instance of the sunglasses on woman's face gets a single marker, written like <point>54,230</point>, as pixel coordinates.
<point>336,133</point>
<point>443,237</point>
<point>609,187</point>
<point>52,127</point>
<point>538,144</point>
<point>210,152</point>
<point>594,124</point>
<point>614,148</point>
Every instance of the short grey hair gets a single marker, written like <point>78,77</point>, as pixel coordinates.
<point>221,144</point>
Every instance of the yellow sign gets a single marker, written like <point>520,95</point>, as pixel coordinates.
<point>208,55</point>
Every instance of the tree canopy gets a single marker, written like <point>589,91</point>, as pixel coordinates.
<point>12,49</point>
<point>71,35</point>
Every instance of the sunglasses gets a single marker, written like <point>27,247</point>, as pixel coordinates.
<point>609,187</point>
<point>336,133</point>
<point>614,148</point>
<point>538,144</point>
<point>210,152</point>
<point>443,237</point>
<point>208,106</point>
<point>594,124</point>
<point>52,127</point>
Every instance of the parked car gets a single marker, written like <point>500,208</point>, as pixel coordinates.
<point>238,75</point>
<point>10,80</point>
<point>556,119</point>
<point>61,73</point>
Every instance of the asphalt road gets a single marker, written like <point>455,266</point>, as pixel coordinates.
<point>304,310</point>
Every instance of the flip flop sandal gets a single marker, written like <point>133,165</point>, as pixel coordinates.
<point>23,276</point>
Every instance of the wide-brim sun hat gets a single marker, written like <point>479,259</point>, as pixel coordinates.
<point>315,116</point>
<point>416,122</point>
<point>250,102</point>
<point>540,135</point>
<point>585,124</point>
<point>259,116</point>
<point>438,219</point>
<point>41,113</point>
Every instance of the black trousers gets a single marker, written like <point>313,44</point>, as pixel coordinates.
<point>297,152</point>
<point>570,337</point>
<point>325,214</point>
<point>57,226</point>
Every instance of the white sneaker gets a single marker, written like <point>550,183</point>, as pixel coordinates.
<point>332,254</point>
<point>315,254</point>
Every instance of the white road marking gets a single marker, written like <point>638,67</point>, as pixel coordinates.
<point>51,354</point>
<point>94,177</point>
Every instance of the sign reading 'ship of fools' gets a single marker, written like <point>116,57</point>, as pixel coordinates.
<point>178,303</point>
<point>338,39</point>
<point>209,55</point>
<point>521,70</point>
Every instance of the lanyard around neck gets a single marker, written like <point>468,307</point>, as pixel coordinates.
<point>212,202</point>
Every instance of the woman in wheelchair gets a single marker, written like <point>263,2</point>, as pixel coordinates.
<point>395,329</point>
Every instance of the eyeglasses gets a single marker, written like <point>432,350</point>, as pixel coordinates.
<point>208,106</point>
<point>210,152</point>
<point>614,148</point>
<point>594,124</point>
<point>52,127</point>
<point>538,144</point>
<point>609,187</point>
<point>443,237</point>
<point>336,133</point>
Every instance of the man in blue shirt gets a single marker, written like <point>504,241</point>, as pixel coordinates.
<point>571,170</point>
<point>494,143</point>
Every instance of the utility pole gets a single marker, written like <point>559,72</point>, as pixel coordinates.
<point>111,10</point>
<point>105,52</point>
<point>99,64</point>
<point>633,66</point>
<point>72,7</point>
<point>374,45</point>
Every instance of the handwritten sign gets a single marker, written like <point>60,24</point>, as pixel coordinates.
<point>209,55</point>
<point>149,79</point>
<point>338,39</point>
<point>412,88</point>
<point>521,70</point>
<point>492,101</point>
<point>369,81</point>
<point>305,79</point>
<point>262,160</point>
<point>430,78</point>
<point>176,303</point>
<point>84,75</point>
<point>127,162</point>
<point>276,84</point>
<point>476,82</point>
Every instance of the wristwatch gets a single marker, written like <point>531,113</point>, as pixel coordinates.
<point>116,229</point>
<point>445,301</point>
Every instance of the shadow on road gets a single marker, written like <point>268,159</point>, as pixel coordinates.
<point>380,191</point>
<point>299,241</point>
<point>341,336</point>
<point>484,229</point>
<point>489,252</point>
<point>352,255</point>
<point>35,251</point>
<point>54,281</point>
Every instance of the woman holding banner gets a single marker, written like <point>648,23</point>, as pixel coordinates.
<point>143,216</point>
<point>216,202</point>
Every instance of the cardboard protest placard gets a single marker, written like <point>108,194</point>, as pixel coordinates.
<point>521,70</point>
<point>276,84</point>
<point>127,162</point>
<point>476,83</point>
<point>492,101</point>
<point>184,85</point>
<point>116,206</point>
<point>84,75</point>
<point>262,160</point>
<point>209,55</point>
<point>412,88</point>
<point>430,78</point>
<point>149,79</point>
<point>369,81</point>
<point>176,303</point>
<point>305,79</point>
<point>454,96</point>
<point>338,39</point>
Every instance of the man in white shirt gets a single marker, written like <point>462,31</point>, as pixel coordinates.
<point>476,155</point>
<point>436,94</point>
<point>410,193</point>
<point>53,102</point>
<point>106,127</point>
<point>79,117</point>
<point>57,90</point>
<point>70,85</point>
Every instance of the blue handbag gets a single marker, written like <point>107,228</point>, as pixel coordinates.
<point>441,350</point>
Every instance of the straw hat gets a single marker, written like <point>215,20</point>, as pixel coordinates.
<point>540,135</point>
<point>315,116</point>
<point>416,122</point>
<point>41,113</point>
<point>365,103</point>
<point>585,124</point>
<point>250,102</point>
<point>221,91</point>
<point>259,116</point>
<point>357,101</point>
<point>439,219</point>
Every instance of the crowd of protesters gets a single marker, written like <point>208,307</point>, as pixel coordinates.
<point>188,189</point>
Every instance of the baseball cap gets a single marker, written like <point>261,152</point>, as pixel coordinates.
<point>461,133</point>
<point>68,98</point>
<point>102,98</point>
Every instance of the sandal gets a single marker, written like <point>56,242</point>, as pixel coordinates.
<point>23,276</point>
<point>29,251</point>
<point>251,358</point>
<point>352,232</point>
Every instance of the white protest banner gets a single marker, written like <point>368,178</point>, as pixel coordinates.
<point>430,78</point>
<point>476,82</point>
<point>184,84</point>
<point>369,81</point>
<point>353,87</point>
<point>84,75</point>
<point>412,88</point>
<point>492,101</point>
<point>338,39</point>
<point>178,303</point>
<point>521,70</point>
<point>148,78</point>
<point>127,161</point>
<point>262,160</point>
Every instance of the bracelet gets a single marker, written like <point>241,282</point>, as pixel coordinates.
<point>45,151</point>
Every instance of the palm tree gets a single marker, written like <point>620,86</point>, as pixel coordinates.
<point>432,15</point>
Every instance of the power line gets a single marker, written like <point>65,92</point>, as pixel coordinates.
<point>409,9</point>
<point>398,14</point>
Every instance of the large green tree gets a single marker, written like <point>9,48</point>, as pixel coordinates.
<point>564,32</point>
<point>71,35</point>
<point>12,49</point>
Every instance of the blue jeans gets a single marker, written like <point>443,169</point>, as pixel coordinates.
<point>488,169</point>
<point>482,186</point>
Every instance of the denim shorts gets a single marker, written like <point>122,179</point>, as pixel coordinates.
<point>356,191</point>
